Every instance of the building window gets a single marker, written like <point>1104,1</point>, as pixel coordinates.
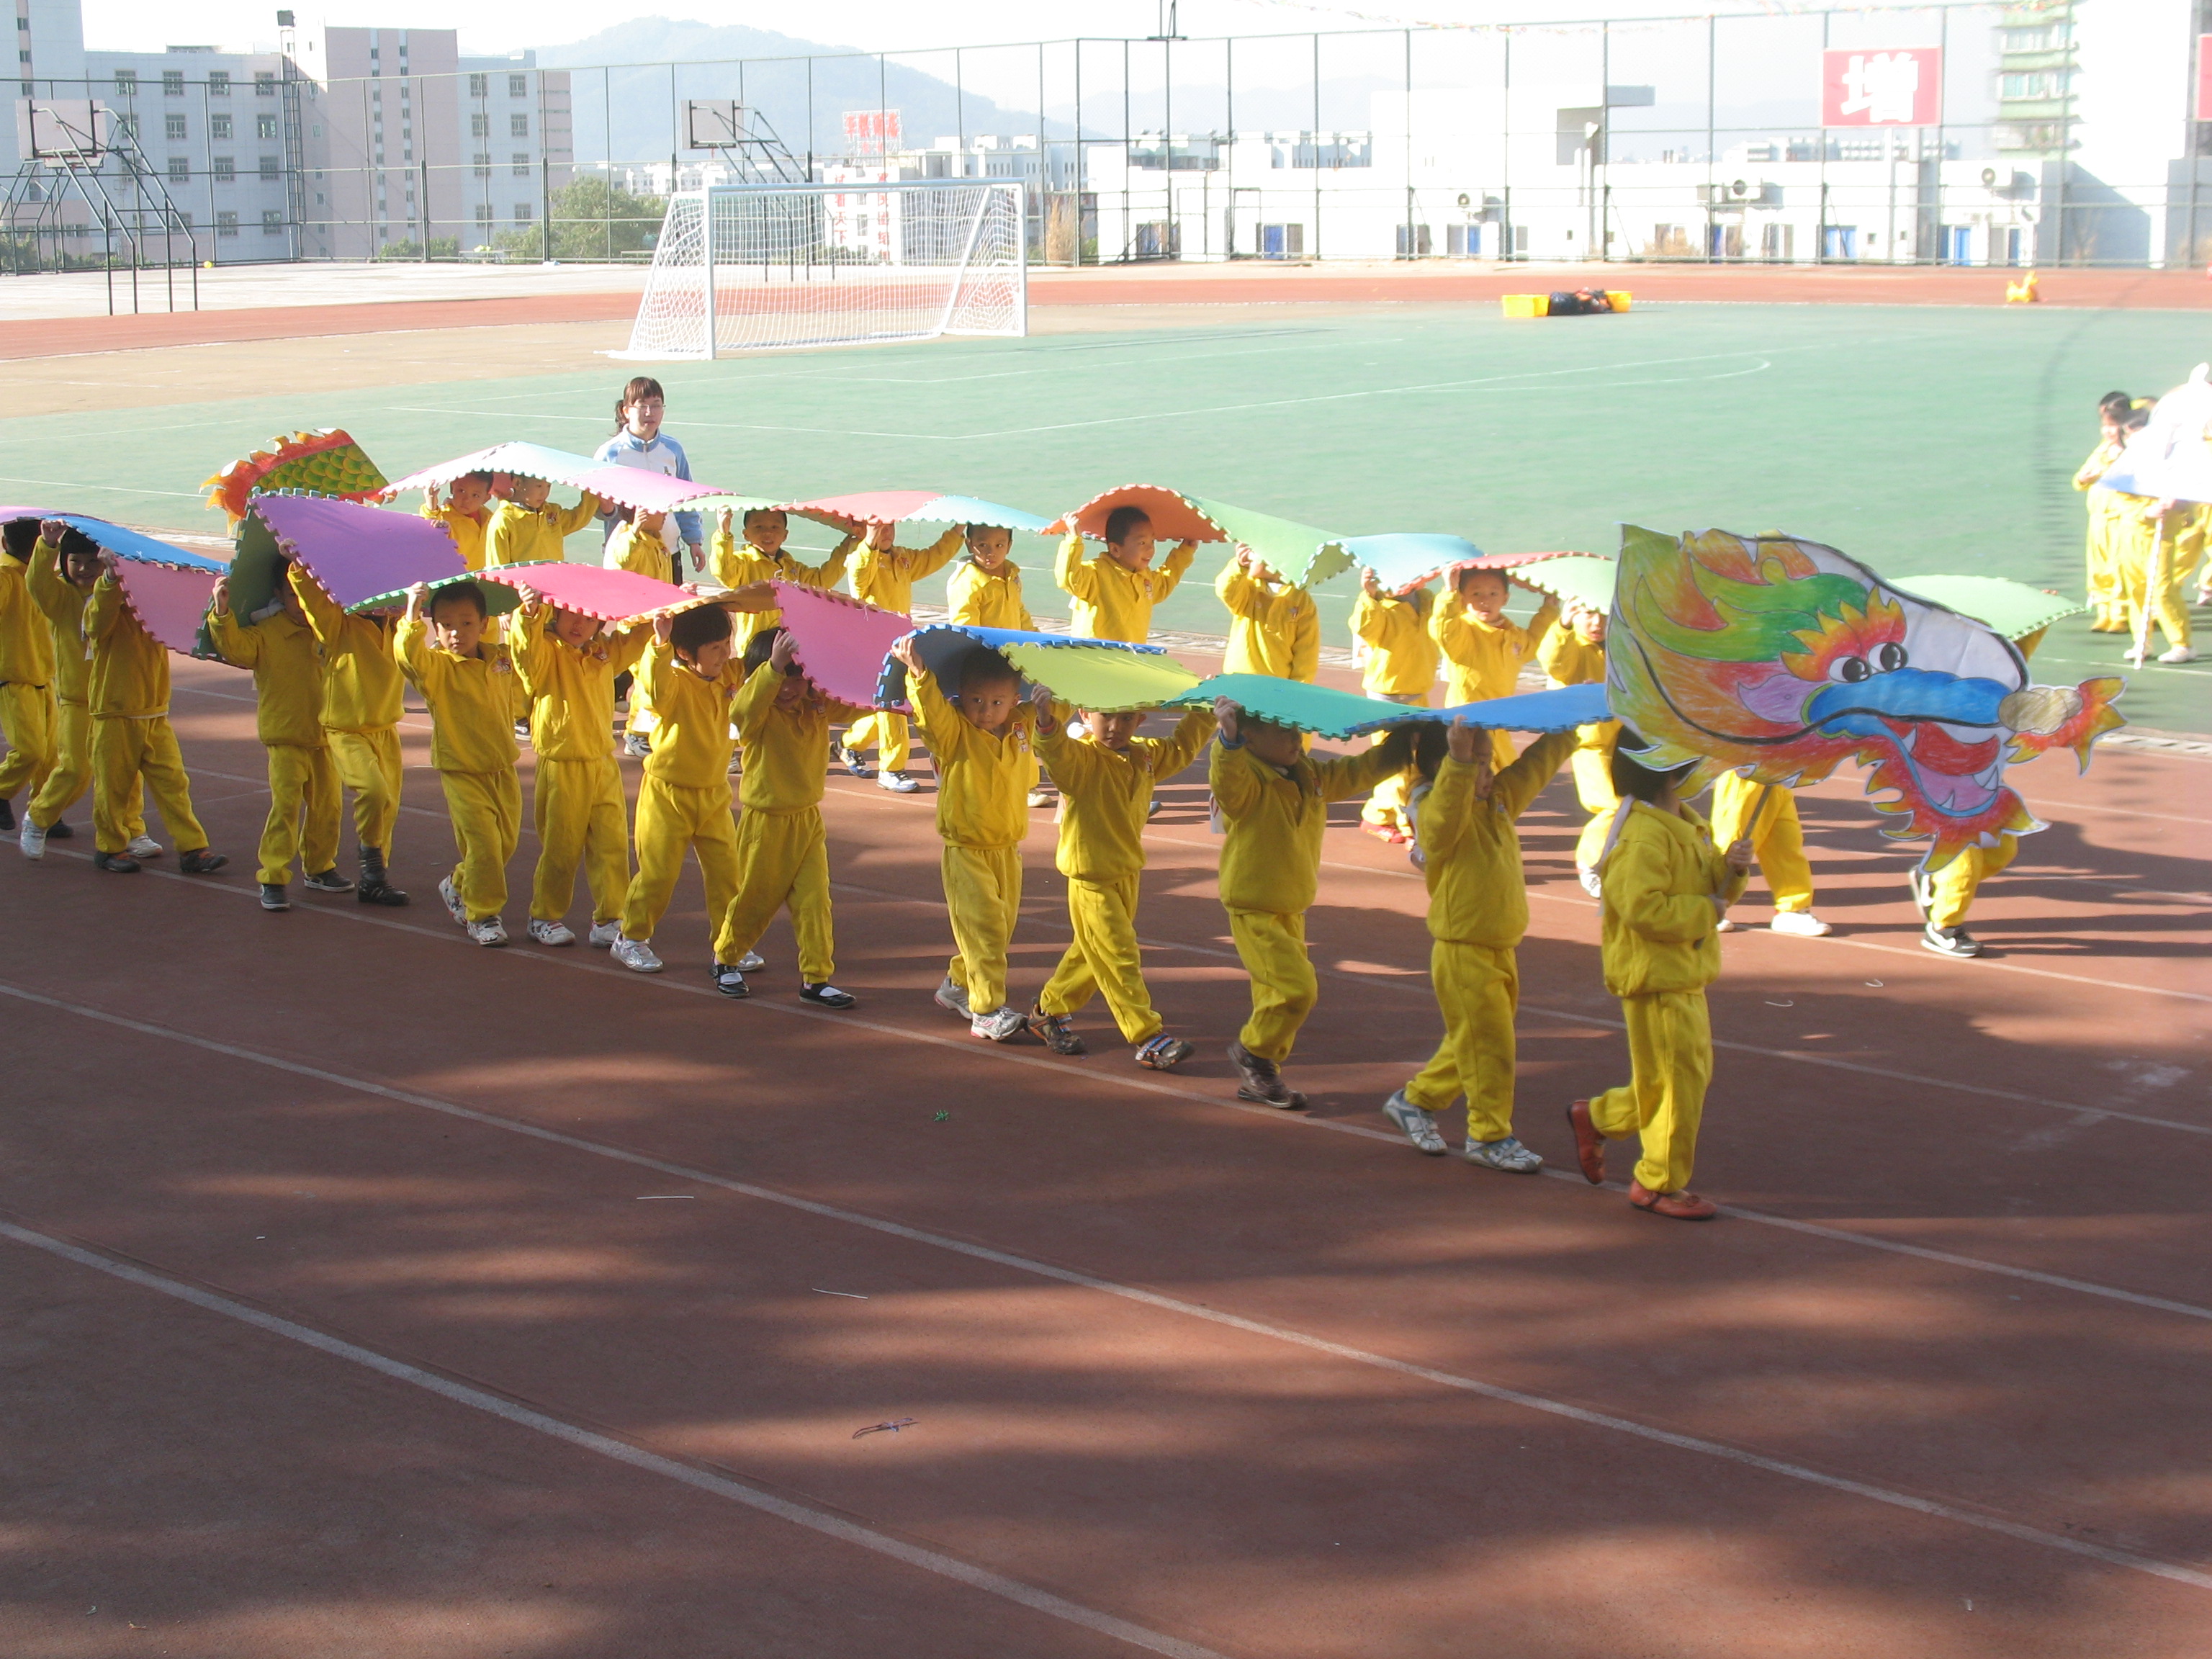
<point>265,83</point>
<point>172,128</point>
<point>522,213</point>
<point>218,85</point>
<point>483,164</point>
<point>484,215</point>
<point>180,170</point>
<point>480,126</point>
<point>479,86</point>
<point>518,86</point>
<point>272,222</point>
<point>264,126</point>
<point>522,164</point>
<point>22,26</point>
<point>126,126</point>
<point>219,126</point>
<point>225,169</point>
<point>226,224</point>
<point>173,83</point>
<point>518,126</point>
<point>126,83</point>
<point>2040,83</point>
<point>184,223</point>
<point>272,169</point>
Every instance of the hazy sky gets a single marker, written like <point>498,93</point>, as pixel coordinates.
<point>506,25</point>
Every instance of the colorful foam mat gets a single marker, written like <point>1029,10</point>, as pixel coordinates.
<point>1105,675</point>
<point>170,603</point>
<point>328,463</point>
<point>2013,609</point>
<point>1320,709</point>
<point>838,643</point>
<point>1404,559</point>
<point>1582,579</point>
<point>613,597</point>
<point>1299,553</point>
<point>500,598</point>
<point>1175,516</point>
<point>626,486</point>
<point>926,505</point>
<point>132,546</point>
<point>354,551</point>
<point>1562,709</point>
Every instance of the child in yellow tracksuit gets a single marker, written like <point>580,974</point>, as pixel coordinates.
<point>475,697</point>
<point>133,744</point>
<point>1113,594</point>
<point>2103,581</point>
<point>568,667</point>
<point>985,587</point>
<point>1665,889</point>
<point>692,676</point>
<point>2156,546</point>
<point>465,512</point>
<point>1765,815</point>
<point>761,558</point>
<point>783,851</point>
<point>1106,778</point>
<point>1401,665</point>
<point>59,582</point>
<point>27,674</point>
<point>985,748</point>
<point>363,697</point>
<point>644,544</point>
<point>884,575</point>
<point>1483,648</point>
<point>1470,854</point>
<point>1273,627</point>
<point>1573,653</point>
<point>1273,798</point>
<point>287,664</point>
<point>526,530</point>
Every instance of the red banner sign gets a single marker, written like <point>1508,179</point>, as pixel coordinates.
<point>1894,87</point>
<point>872,131</point>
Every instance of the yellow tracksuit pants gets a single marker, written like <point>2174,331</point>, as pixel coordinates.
<point>1477,987</point>
<point>27,717</point>
<point>486,808</point>
<point>1957,882</point>
<point>670,818</point>
<point>126,753</point>
<point>1593,770</point>
<point>2169,607</point>
<point>303,812</point>
<point>581,818</point>
<point>369,765</point>
<point>982,898</point>
<point>1104,958</point>
<point>72,775</point>
<point>1670,1058</point>
<point>1284,989</point>
<point>886,731</point>
<point>1769,816</point>
<point>783,863</point>
<point>1387,806</point>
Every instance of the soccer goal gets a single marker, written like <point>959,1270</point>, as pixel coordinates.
<point>759,267</point>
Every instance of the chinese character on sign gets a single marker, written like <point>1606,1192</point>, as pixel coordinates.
<point>1900,87</point>
<point>871,131</point>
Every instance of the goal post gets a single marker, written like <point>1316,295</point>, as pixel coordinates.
<point>769,266</point>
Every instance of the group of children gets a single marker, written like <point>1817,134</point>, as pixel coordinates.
<point>2142,553</point>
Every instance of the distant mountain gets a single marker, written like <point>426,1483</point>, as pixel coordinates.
<point>643,109</point>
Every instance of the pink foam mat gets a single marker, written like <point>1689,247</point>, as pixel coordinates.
<point>612,596</point>
<point>356,552</point>
<point>841,643</point>
<point>170,603</point>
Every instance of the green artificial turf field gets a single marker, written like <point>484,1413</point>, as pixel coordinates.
<point>1922,440</point>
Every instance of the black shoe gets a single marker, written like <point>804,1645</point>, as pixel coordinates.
<point>1058,1034</point>
<point>851,761</point>
<point>729,982</point>
<point>116,864</point>
<point>379,892</point>
<point>1263,1081</point>
<point>827,996</point>
<point>7,814</point>
<point>328,881</point>
<point>1949,941</point>
<point>274,897</point>
<point>202,863</point>
<point>59,831</point>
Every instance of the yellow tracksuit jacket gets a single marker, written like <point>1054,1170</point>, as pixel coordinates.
<point>1568,659</point>
<point>27,683</point>
<point>884,577</point>
<point>286,660</point>
<point>642,554</point>
<point>128,693</point>
<point>982,812</point>
<point>474,703</point>
<point>733,565</point>
<point>1666,889</point>
<point>63,606</point>
<point>364,695</point>
<point>983,599</point>
<point>684,800</point>
<point>1107,796</point>
<point>783,851</point>
<point>517,535</point>
<point>1402,665</point>
<point>1271,865</point>
<point>577,805</point>
<point>1477,912</point>
<point>1273,629</point>
<point>1112,602</point>
<point>1767,814</point>
<point>2104,580</point>
<point>467,530</point>
<point>1482,659</point>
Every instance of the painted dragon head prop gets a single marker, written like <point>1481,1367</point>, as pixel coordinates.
<point>1779,658</point>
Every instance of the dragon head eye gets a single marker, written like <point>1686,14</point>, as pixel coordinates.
<point>1850,670</point>
<point>1888,657</point>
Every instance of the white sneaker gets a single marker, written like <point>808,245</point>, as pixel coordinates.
<point>31,839</point>
<point>459,911</point>
<point>550,932</point>
<point>1416,1123</point>
<point>1041,797</point>
<point>953,999</point>
<point>490,931</point>
<point>1001,1024</point>
<point>1728,925</point>
<point>145,847</point>
<point>1591,885</point>
<point>1509,1155</point>
<point>603,934</point>
<point>636,955</point>
<point>897,782</point>
<point>752,962</point>
<point>2179,653</point>
<point>1802,924</point>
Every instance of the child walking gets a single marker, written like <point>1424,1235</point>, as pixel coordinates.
<point>63,568</point>
<point>26,675</point>
<point>884,575</point>
<point>1765,815</point>
<point>1400,665</point>
<point>465,512</point>
<point>1114,593</point>
<point>1483,648</point>
<point>526,529</point>
<point>1273,798</point>
<point>1274,626</point>
<point>985,587</point>
<point>761,558</point>
<point>1665,890</point>
<point>1573,653</point>
<point>2103,582</point>
<point>363,701</point>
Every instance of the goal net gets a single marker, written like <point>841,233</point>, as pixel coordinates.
<point>756,267</point>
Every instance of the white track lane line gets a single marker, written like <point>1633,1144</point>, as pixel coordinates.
<point>620,1451</point>
<point>1451,1380</point>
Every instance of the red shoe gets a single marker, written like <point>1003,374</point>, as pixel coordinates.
<point>1385,832</point>
<point>1590,1144</point>
<point>1684,1206</point>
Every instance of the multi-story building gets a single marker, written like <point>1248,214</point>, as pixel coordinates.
<point>515,131</point>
